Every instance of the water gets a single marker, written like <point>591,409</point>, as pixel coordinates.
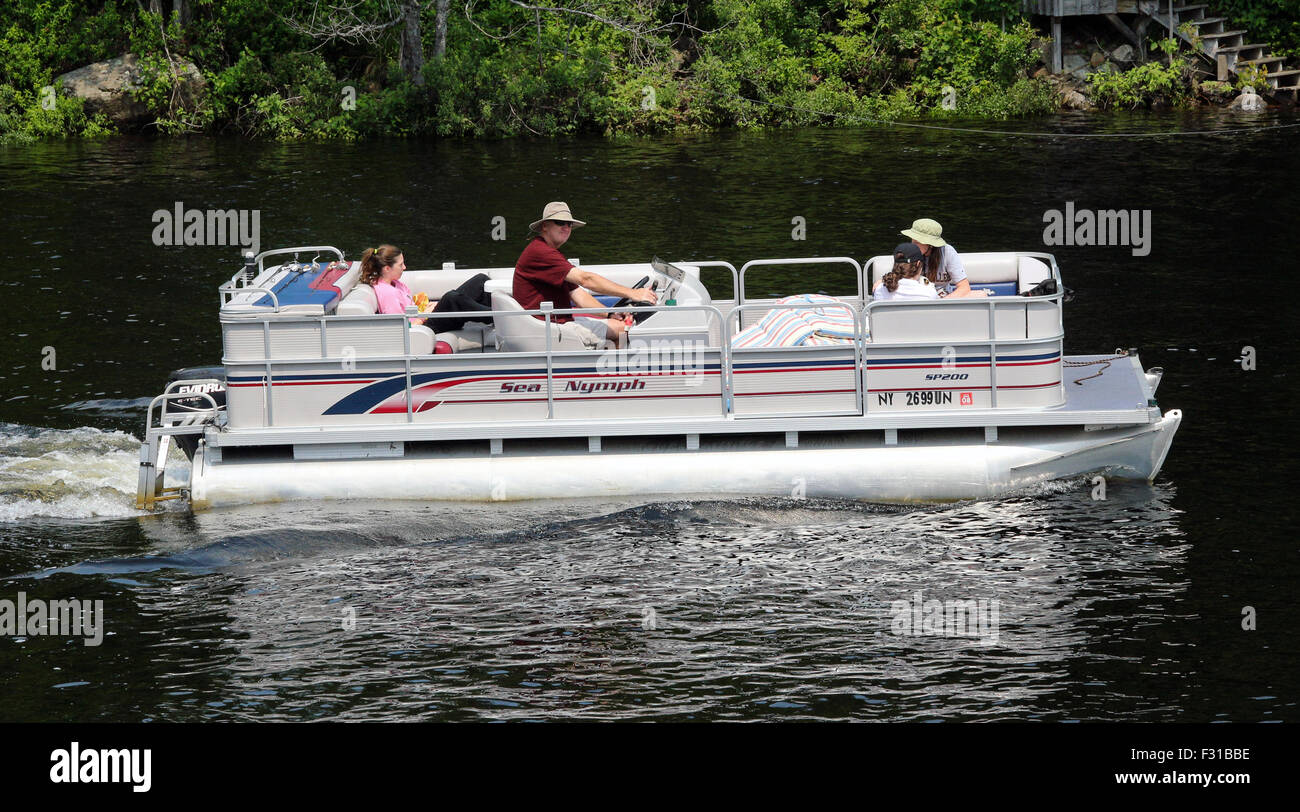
<point>1129,608</point>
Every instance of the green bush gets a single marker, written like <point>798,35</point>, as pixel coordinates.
<point>26,115</point>
<point>1251,76</point>
<point>1147,84</point>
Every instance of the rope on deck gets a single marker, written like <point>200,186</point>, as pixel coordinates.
<point>1107,361</point>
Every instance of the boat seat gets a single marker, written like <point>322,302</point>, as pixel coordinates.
<point>1000,273</point>
<point>305,292</point>
<point>473,337</point>
<point>524,333</point>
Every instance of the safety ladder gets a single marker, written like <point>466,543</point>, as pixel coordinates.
<point>161,425</point>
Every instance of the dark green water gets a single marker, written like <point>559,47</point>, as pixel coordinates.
<point>1128,608</point>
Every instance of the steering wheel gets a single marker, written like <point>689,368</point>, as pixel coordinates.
<point>625,301</point>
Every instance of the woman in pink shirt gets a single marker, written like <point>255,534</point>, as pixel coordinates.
<point>382,268</point>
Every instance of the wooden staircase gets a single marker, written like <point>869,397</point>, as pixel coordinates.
<point>1228,49</point>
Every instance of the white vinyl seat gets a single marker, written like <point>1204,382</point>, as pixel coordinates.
<point>520,332</point>
<point>473,337</point>
<point>1001,273</point>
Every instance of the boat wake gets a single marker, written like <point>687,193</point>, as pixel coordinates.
<point>244,537</point>
<point>118,407</point>
<point>81,473</point>
<point>240,538</point>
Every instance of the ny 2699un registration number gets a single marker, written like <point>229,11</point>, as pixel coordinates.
<point>928,398</point>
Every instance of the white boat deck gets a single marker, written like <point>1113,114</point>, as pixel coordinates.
<point>1115,389</point>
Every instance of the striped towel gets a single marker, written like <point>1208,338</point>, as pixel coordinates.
<point>800,327</point>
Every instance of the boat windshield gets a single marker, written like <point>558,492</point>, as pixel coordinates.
<point>668,269</point>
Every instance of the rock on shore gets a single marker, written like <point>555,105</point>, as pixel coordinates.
<point>107,88</point>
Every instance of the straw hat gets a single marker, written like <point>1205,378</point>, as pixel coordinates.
<point>927,231</point>
<point>556,210</point>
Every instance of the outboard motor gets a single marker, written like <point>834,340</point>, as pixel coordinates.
<point>189,442</point>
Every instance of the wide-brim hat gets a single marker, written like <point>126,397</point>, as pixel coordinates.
<point>556,210</point>
<point>927,231</point>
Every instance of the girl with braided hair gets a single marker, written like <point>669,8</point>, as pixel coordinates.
<point>906,280</point>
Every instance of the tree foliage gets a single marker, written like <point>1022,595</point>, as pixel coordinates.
<point>515,67</point>
<point>1272,21</point>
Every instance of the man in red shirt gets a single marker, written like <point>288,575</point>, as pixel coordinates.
<point>542,274</point>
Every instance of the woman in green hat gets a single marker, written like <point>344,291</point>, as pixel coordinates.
<point>942,264</point>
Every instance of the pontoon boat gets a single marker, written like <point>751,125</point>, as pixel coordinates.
<point>319,397</point>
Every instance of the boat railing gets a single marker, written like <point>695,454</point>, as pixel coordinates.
<point>229,290</point>
<point>715,324</point>
<point>857,342</point>
<point>302,249</point>
<point>989,302</point>
<point>989,340</point>
<point>324,321</point>
<point>1006,322</point>
<point>765,263</point>
<point>720,331</point>
<point>269,360</point>
<point>1051,261</point>
<point>177,422</point>
<point>548,313</point>
<point>716,263</point>
<point>1048,330</point>
<point>242,282</point>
